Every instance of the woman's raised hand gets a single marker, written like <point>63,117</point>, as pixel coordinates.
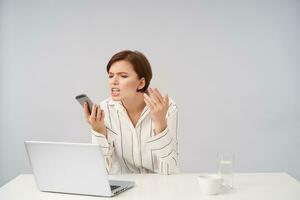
<point>158,106</point>
<point>96,118</point>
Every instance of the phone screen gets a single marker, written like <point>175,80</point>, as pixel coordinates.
<point>83,98</point>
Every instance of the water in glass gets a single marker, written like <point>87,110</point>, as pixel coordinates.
<point>225,170</point>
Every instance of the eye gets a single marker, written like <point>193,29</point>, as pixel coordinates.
<point>124,76</point>
<point>110,76</point>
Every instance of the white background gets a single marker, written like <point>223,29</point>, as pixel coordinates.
<point>231,66</point>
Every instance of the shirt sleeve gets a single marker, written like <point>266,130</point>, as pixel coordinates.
<point>163,147</point>
<point>106,145</point>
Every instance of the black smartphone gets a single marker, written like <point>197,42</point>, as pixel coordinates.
<point>83,98</point>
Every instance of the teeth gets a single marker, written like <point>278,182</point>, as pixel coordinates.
<point>115,89</point>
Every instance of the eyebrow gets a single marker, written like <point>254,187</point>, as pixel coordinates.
<point>118,73</point>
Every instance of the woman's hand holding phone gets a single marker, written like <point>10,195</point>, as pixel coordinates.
<point>95,118</point>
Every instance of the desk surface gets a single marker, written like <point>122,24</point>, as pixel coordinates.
<point>248,186</point>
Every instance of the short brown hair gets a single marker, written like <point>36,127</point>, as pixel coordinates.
<point>139,62</point>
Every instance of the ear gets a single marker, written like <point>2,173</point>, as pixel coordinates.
<point>142,83</point>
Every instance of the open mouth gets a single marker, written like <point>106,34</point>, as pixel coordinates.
<point>115,91</point>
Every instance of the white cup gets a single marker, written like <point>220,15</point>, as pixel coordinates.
<point>210,184</point>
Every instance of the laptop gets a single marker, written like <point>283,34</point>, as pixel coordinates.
<point>74,168</point>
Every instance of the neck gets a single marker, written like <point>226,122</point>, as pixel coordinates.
<point>135,104</point>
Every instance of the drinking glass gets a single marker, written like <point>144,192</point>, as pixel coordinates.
<point>225,168</point>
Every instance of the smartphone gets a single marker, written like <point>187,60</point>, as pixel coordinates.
<point>83,98</point>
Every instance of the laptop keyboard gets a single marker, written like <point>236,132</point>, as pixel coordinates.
<point>112,187</point>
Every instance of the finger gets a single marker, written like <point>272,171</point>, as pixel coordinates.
<point>166,99</point>
<point>158,94</point>
<point>86,110</point>
<point>102,115</point>
<point>99,113</point>
<point>148,101</point>
<point>94,112</point>
<point>148,104</point>
<point>153,97</point>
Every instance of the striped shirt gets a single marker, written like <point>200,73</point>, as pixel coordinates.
<point>129,149</point>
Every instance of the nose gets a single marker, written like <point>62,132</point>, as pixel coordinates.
<point>115,80</point>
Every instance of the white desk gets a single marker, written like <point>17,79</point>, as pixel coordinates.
<point>254,186</point>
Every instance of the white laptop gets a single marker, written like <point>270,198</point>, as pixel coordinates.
<point>74,168</point>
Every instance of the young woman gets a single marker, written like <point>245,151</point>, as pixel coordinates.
<point>137,126</point>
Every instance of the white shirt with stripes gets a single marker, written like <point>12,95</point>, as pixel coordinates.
<point>129,149</point>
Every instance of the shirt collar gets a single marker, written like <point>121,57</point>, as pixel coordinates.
<point>119,106</point>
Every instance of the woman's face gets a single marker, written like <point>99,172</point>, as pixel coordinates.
<point>123,81</point>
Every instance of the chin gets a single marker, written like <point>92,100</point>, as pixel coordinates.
<point>116,98</point>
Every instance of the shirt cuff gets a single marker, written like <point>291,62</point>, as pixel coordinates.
<point>99,139</point>
<point>98,134</point>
